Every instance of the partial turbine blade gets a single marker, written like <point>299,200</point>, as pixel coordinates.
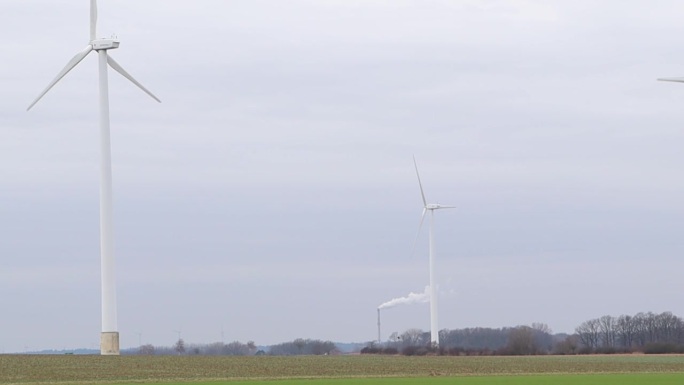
<point>419,183</point>
<point>678,80</point>
<point>93,20</point>
<point>72,63</point>
<point>420,227</point>
<point>119,69</point>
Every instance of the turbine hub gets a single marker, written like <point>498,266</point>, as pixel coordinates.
<point>105,44</point>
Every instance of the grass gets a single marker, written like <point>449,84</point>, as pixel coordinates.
<point>335,370</point>
<point>598,379</point>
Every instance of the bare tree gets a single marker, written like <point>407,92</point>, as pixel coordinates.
<point>147,350</point>
<point>640,327</point>
<point>668,328</point>
<point>413,337</point>
<point>300,343</point>
<point>624,327</point>
<point>569,345</point>
<point>475,339</point>
<point>236,348</point>
<point>588,333</point>
<point>214,349</point>
<point>521,342</point>
<point>607,327</point>
<point>252,349</point>
<point>179,347</point>
<point>542,327</point>
<point>542,337</point>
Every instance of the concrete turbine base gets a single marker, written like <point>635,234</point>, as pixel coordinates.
<point>109,344</point>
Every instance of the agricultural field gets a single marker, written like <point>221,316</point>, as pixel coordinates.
<point>338,370</point>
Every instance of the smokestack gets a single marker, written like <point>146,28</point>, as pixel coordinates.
<point>410,299</point>
<point>379,339</point>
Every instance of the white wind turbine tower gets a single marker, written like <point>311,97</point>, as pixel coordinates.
<point>430,207</point>
<point>109,340</point>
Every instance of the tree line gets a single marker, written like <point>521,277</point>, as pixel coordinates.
<point>299,346</point>
<point>519,340</point>
<point>644,332</point>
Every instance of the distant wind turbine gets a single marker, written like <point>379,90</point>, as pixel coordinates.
<point>430,207</point>
<point>109,339</point>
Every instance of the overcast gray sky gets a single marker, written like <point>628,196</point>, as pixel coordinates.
<point>272,194</point>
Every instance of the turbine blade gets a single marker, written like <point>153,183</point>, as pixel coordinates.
<point>70,65</point>
<point>119,69</point>
<point>420,227</point>
<point>678,80</point>
<point>419,183</point>
<point>446,207</point>
<point>93,20</point>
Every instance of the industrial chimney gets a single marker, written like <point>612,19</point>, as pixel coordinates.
<point>379,339</point>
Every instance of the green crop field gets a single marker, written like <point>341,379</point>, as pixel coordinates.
<point>336,370</point>
<point>559,379</point>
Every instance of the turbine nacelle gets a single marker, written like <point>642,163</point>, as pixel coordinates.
<point>104,44</point>
<point>437,206</point>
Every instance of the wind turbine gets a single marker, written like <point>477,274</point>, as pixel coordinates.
<point>430,207</point>
<point>109,339</point>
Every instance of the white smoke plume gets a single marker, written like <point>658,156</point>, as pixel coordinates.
<point>408,300</point>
